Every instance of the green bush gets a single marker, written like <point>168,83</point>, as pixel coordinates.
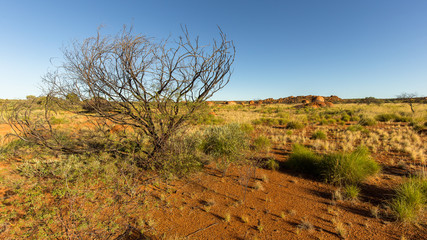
<point>346,118</point>
<point>348,168</point>
<point>182,157</point>
<point>266,121</point>
<point>352,192</point>
<point>247,128</point>
<point>410,200</point>
<point>336,168</point>
<point>55,120</point>
<point>261,143</point>
<point>294,125</point>
<point>225,143</point>
<point>272,164</point>
<point>403,117</point>
<point>354,118</point>
<point>366,122</point>
<point>304,160</point>
<point>206,117</point>
<point>385,117</point>
<point>357,127</point>
<point>270,121</point>
<point>319,135</point>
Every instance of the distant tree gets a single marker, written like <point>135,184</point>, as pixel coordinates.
<point>154,87</point>
<point>30,97</point>
<point>72,97</point>
<point>369,100</point>
<point>408,98</point>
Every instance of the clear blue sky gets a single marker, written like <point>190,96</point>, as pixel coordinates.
<point>352,49</point>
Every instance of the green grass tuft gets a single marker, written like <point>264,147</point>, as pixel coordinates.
<point>303,159</point>
<point>261,143</point>
<point>336,168</point>
<point>410,200</point>
<point>294,125</point>
<point>319,135</point>
<point>348,168</point>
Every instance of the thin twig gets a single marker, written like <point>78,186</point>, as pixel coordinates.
<point>202,229</point>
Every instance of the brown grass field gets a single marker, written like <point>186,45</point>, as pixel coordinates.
<point>46,195</point>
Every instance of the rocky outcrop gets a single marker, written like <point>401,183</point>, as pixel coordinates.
<point>300,99</point>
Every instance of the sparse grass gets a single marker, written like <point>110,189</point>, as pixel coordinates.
<point>260,226</point>
<point>341,230</point>
<point>264,178</point>
<point>258,186</point>
<point>351,192</point>
<point>337,195</point>
<point>244,218</point>
<point>306,225</point>
<point>227,217</point>
<point>53,186</point>
<point>375,211</point>
<point>292,212</point>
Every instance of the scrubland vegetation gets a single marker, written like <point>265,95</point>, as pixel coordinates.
<point>82,177</point>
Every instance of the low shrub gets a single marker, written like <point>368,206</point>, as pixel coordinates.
<point>265,121</point>
<point>385,117</point>
<point>209,119</point>
<point>357,127</point>
<point>55,120</point>
<point>270,121</point>
<point>304,160</point>
<point>272,164</point>
<point>346,118</point>
<point>261,143</point>
<point>319,135</point>
<point>247,128</point>
<point>182,156</point>
<point>393,117</point>
<point>336,168</point>
<point>206,117</point>
<point>410,199</point>
<point>348,168</point>
<point>367,121</point>
<point>294,125</point>
<point>226,143</point>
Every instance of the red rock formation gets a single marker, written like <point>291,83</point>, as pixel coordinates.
<point>318,99</point>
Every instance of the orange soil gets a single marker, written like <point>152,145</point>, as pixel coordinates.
<point>280,207</point>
